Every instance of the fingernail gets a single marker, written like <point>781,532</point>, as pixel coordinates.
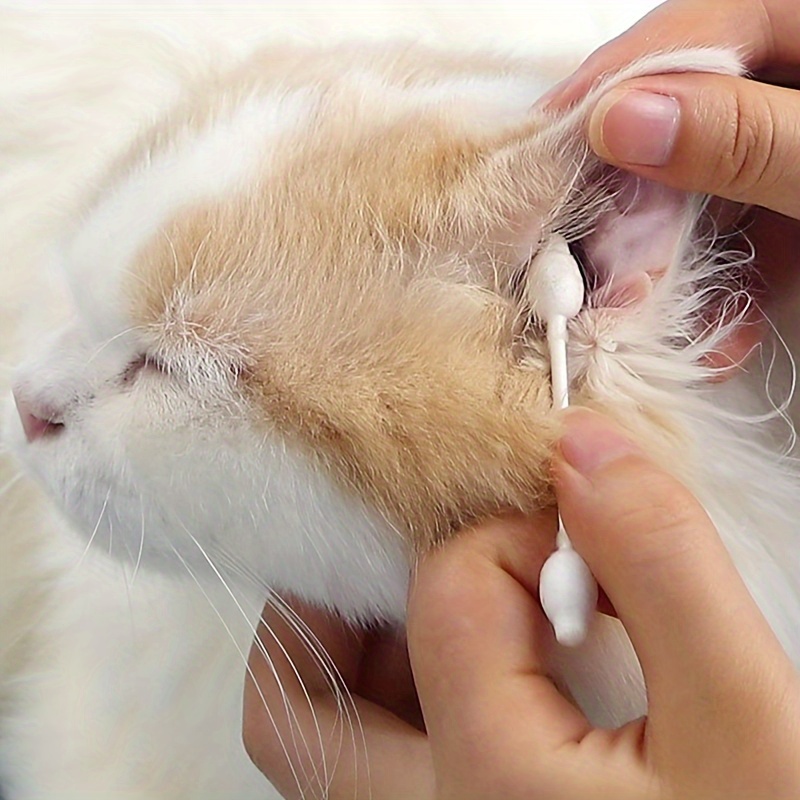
<point>638,127</point>
<point>592,441</point>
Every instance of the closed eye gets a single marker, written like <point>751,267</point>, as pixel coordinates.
<point>142,363</point>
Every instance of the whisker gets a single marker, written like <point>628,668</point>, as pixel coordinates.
<point>314,647</point>
<point>110,536</point>
<point>291,716</point>
<point>175,264</point>
<point>110,341</point>
<point>141,543</point>
<point>333,679</point>
<point>10,484</point>
<point>196,258</point>
<point>308,639</point>
<point>247,666</point>
<point>782,409</point>
<point>326,782</point>
<point>96,528</point>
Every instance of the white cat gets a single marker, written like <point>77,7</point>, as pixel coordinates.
<point>296,354</point>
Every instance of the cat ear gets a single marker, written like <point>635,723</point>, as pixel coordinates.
<point>645,229</point>
<point>629,231</point>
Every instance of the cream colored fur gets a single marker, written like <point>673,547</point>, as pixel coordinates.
<point>292,317</point>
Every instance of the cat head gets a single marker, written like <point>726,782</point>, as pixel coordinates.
<point>300,348</point>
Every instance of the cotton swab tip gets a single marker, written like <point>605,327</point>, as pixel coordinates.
<point>555,283</point>
<point>568,593</point>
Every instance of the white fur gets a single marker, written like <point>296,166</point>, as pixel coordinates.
<point>112,463</point>
<point>77,730</point>
<point>193,169</point>
<point>327,548</point>
<point>492,101</point>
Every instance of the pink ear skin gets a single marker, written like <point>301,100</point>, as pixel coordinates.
<point>641,234</point>
<point>621,296</point>
<point>634,244</point>
<point>632,248</point>
<point>623,292</point>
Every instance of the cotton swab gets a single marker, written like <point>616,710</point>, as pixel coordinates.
<point>567,590</point>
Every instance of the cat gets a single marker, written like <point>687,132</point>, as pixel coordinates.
<point>299,353</point>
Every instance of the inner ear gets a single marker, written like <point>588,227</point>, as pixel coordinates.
<point>628,232</point>
<point>538,176</point>
<point>638,239</point>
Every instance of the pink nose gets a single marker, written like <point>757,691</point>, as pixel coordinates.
<point>36,422</point>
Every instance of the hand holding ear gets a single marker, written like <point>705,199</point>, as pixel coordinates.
<point>736,138</point>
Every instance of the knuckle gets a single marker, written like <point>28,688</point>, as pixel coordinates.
<point>445,583</point>
<point>599,60</point>
<point>747,156</point>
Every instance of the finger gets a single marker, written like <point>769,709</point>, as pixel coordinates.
<point>312,741</point>
<point>726,136</point>
<point>328,653</point>
<point>665,569</point>
<point>476,637</point>
<point>385,676</point>
<point>765,32</point>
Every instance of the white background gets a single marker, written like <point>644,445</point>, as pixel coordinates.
<point>563,28</point>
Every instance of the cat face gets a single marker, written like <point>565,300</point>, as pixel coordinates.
<point>299,350</point>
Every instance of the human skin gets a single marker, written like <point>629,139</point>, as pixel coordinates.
<point>724,700</point>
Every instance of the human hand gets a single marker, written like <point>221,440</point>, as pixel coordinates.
<point>736,138</point>
<point>724,700</point>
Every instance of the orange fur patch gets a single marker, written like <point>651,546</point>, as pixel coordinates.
<point>362,282</point>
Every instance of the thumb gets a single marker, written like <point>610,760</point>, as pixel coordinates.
<point>731,137</point>
<point>662,564</point>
